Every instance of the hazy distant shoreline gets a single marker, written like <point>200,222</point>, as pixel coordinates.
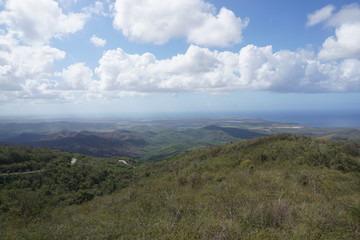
<point>313,118</point>
<point>309,118</point>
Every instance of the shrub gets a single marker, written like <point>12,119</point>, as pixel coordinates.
<point>83,197</point>
<point>246,163</point>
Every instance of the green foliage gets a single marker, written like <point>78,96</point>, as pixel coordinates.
<point>354,211</point>
<point>83,197</point>
<point>33,180</point>
<point>276,187</point>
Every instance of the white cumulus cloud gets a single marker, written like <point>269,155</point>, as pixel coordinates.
<point>320,15</point>
<point>121,71</point>
<point>20,63</point>
<point>345,42</point>
<point>157,21</point>
<point>221,30</point>
<point>27,63</point>
<point>77,76</point>
<point>98,42</point>
<point>199,69</point>
<point>202,70</point>
<point>36,22</point>
<point>98,8</point>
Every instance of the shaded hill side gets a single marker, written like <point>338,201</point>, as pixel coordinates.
<point>345,135</point>
<point>99,144</point>
<point>114,135</point>
<point>145,145</point>
<point>275,187</point>
<point>25,137</point>
<point>94,146</point>
<point>235,132</point>
<point>52,127</point>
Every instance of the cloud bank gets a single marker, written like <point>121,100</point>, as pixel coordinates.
<point>198,70</point>
<point>202,70</point>
<point>27,62</point>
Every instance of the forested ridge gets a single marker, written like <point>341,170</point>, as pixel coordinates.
<point>34,179</point>
<point>275,187</point>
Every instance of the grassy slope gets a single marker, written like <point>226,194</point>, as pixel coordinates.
<point>275,187</point>
<point>169,142</point>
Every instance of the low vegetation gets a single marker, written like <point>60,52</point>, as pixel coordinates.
<point>274,187</point>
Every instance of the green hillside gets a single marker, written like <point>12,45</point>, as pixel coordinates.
<point>274,187</point>
<point>33,180</point>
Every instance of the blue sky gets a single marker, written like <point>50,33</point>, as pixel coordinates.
<point>77,57</point>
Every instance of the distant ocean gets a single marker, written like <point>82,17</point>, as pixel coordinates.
<point>310,118</point>
<point>340,118</point>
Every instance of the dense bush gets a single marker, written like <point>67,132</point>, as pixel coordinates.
<point>33,179</point>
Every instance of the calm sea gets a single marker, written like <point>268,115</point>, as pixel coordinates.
<point>340,118</point>
<point>311,118</point>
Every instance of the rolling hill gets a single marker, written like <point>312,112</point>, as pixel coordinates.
<point>152,139</point>
<point>100,144</point>
<point>153,143</point>
<point>235,132</point>
<point>275,187</point>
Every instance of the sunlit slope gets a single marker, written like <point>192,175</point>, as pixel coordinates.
<point>275,187</point>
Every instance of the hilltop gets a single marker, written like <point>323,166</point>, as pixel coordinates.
<point>274,187</point>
